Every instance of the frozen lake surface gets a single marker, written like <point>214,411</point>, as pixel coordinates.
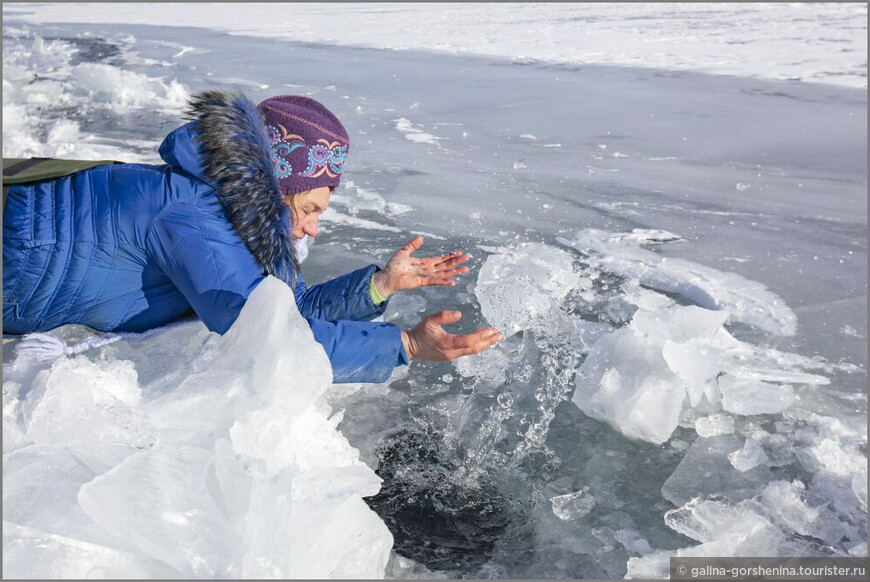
<point>678,259</point>
<point>813,42</point>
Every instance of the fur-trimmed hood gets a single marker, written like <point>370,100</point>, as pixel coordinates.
<point>226,146</point>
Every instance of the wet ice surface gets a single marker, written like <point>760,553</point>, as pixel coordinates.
<point>678,261</point>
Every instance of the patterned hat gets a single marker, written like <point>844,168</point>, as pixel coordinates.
<point>309,143</point>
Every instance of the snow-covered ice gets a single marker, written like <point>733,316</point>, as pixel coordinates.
<point>778,41</point>
<point>665,211</point>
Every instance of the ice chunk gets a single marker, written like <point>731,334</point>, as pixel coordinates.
<point>313,535</point>
<point>233,467</point>
<point>715,424</point>
<point>126,88</point>
<point>626,382</point>
<point>727,529</point>
<point>705,521</point>
<point>834,458</point>
<point>32,553</point>
<point>401,568</point>
<point>633,541</point>
<point>706,470</point>
<point>749,457</point>
<point>745,300</point>
<point>678,324</point>
<point>675,351</point>
<point>13,418</point>
<point>642,236</point>
<point>695,363</point>
<point>41,484</point>
<point>783,500</point>
<point>86,402</point>
<point>159,501</point>
<point>653,566</point>
<point>572,505</point>
<point>517,288</point>
<point>746,397</point>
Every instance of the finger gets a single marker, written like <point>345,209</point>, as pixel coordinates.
<point>447,273</point>
<point>447,265</point>
<point>474,349</point>
<point>456,255</point>
<point>413,244</point>
<point>437,282</point>
<point>451,260</point>
<point>470,340</point>
<point>443,317</point>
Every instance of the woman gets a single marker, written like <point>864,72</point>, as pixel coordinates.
<point>131,247</point>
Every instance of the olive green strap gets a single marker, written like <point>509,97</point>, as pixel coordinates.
<point>24,170</point>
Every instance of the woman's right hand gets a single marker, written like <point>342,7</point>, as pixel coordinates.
<point>428,341</point>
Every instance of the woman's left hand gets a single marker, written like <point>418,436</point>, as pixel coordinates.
<point>404,272</point>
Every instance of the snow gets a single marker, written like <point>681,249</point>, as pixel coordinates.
<point>42,77</point>
<point>413,133</point>
<point>779,41</point>
<point>675,248</point>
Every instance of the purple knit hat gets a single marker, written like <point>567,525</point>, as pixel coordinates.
<point>309,143</point>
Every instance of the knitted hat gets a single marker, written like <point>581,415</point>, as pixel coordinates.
<point>309,143</point>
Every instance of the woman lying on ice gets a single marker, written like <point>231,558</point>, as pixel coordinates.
<point>132,247</point>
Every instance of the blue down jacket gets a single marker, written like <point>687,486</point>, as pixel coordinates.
<point>131,247</point>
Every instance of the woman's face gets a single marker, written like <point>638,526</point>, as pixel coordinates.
<point>307,207</point>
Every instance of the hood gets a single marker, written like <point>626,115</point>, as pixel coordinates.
<point>226,146</point>
<point>181,149</point>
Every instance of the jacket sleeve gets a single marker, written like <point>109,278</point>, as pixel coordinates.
<point>345,297</point>
<point>216,273</point>
<point>360,351</point>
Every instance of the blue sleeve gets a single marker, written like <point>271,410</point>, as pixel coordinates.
<point>360,351</point>
<point>345,297</point>
<point>216,273</point>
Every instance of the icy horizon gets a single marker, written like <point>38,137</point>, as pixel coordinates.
<point>817,43</point>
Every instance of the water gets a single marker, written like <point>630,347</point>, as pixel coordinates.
<point>599,204</point>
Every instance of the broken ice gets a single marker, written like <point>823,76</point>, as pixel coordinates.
<point>572,505</point>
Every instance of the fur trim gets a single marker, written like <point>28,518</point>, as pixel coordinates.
<point>235,146</point>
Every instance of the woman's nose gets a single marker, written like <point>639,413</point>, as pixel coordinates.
<point>311,229</point>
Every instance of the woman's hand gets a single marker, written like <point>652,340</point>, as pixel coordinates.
<point>428,341</point>
<point>404,272</point>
